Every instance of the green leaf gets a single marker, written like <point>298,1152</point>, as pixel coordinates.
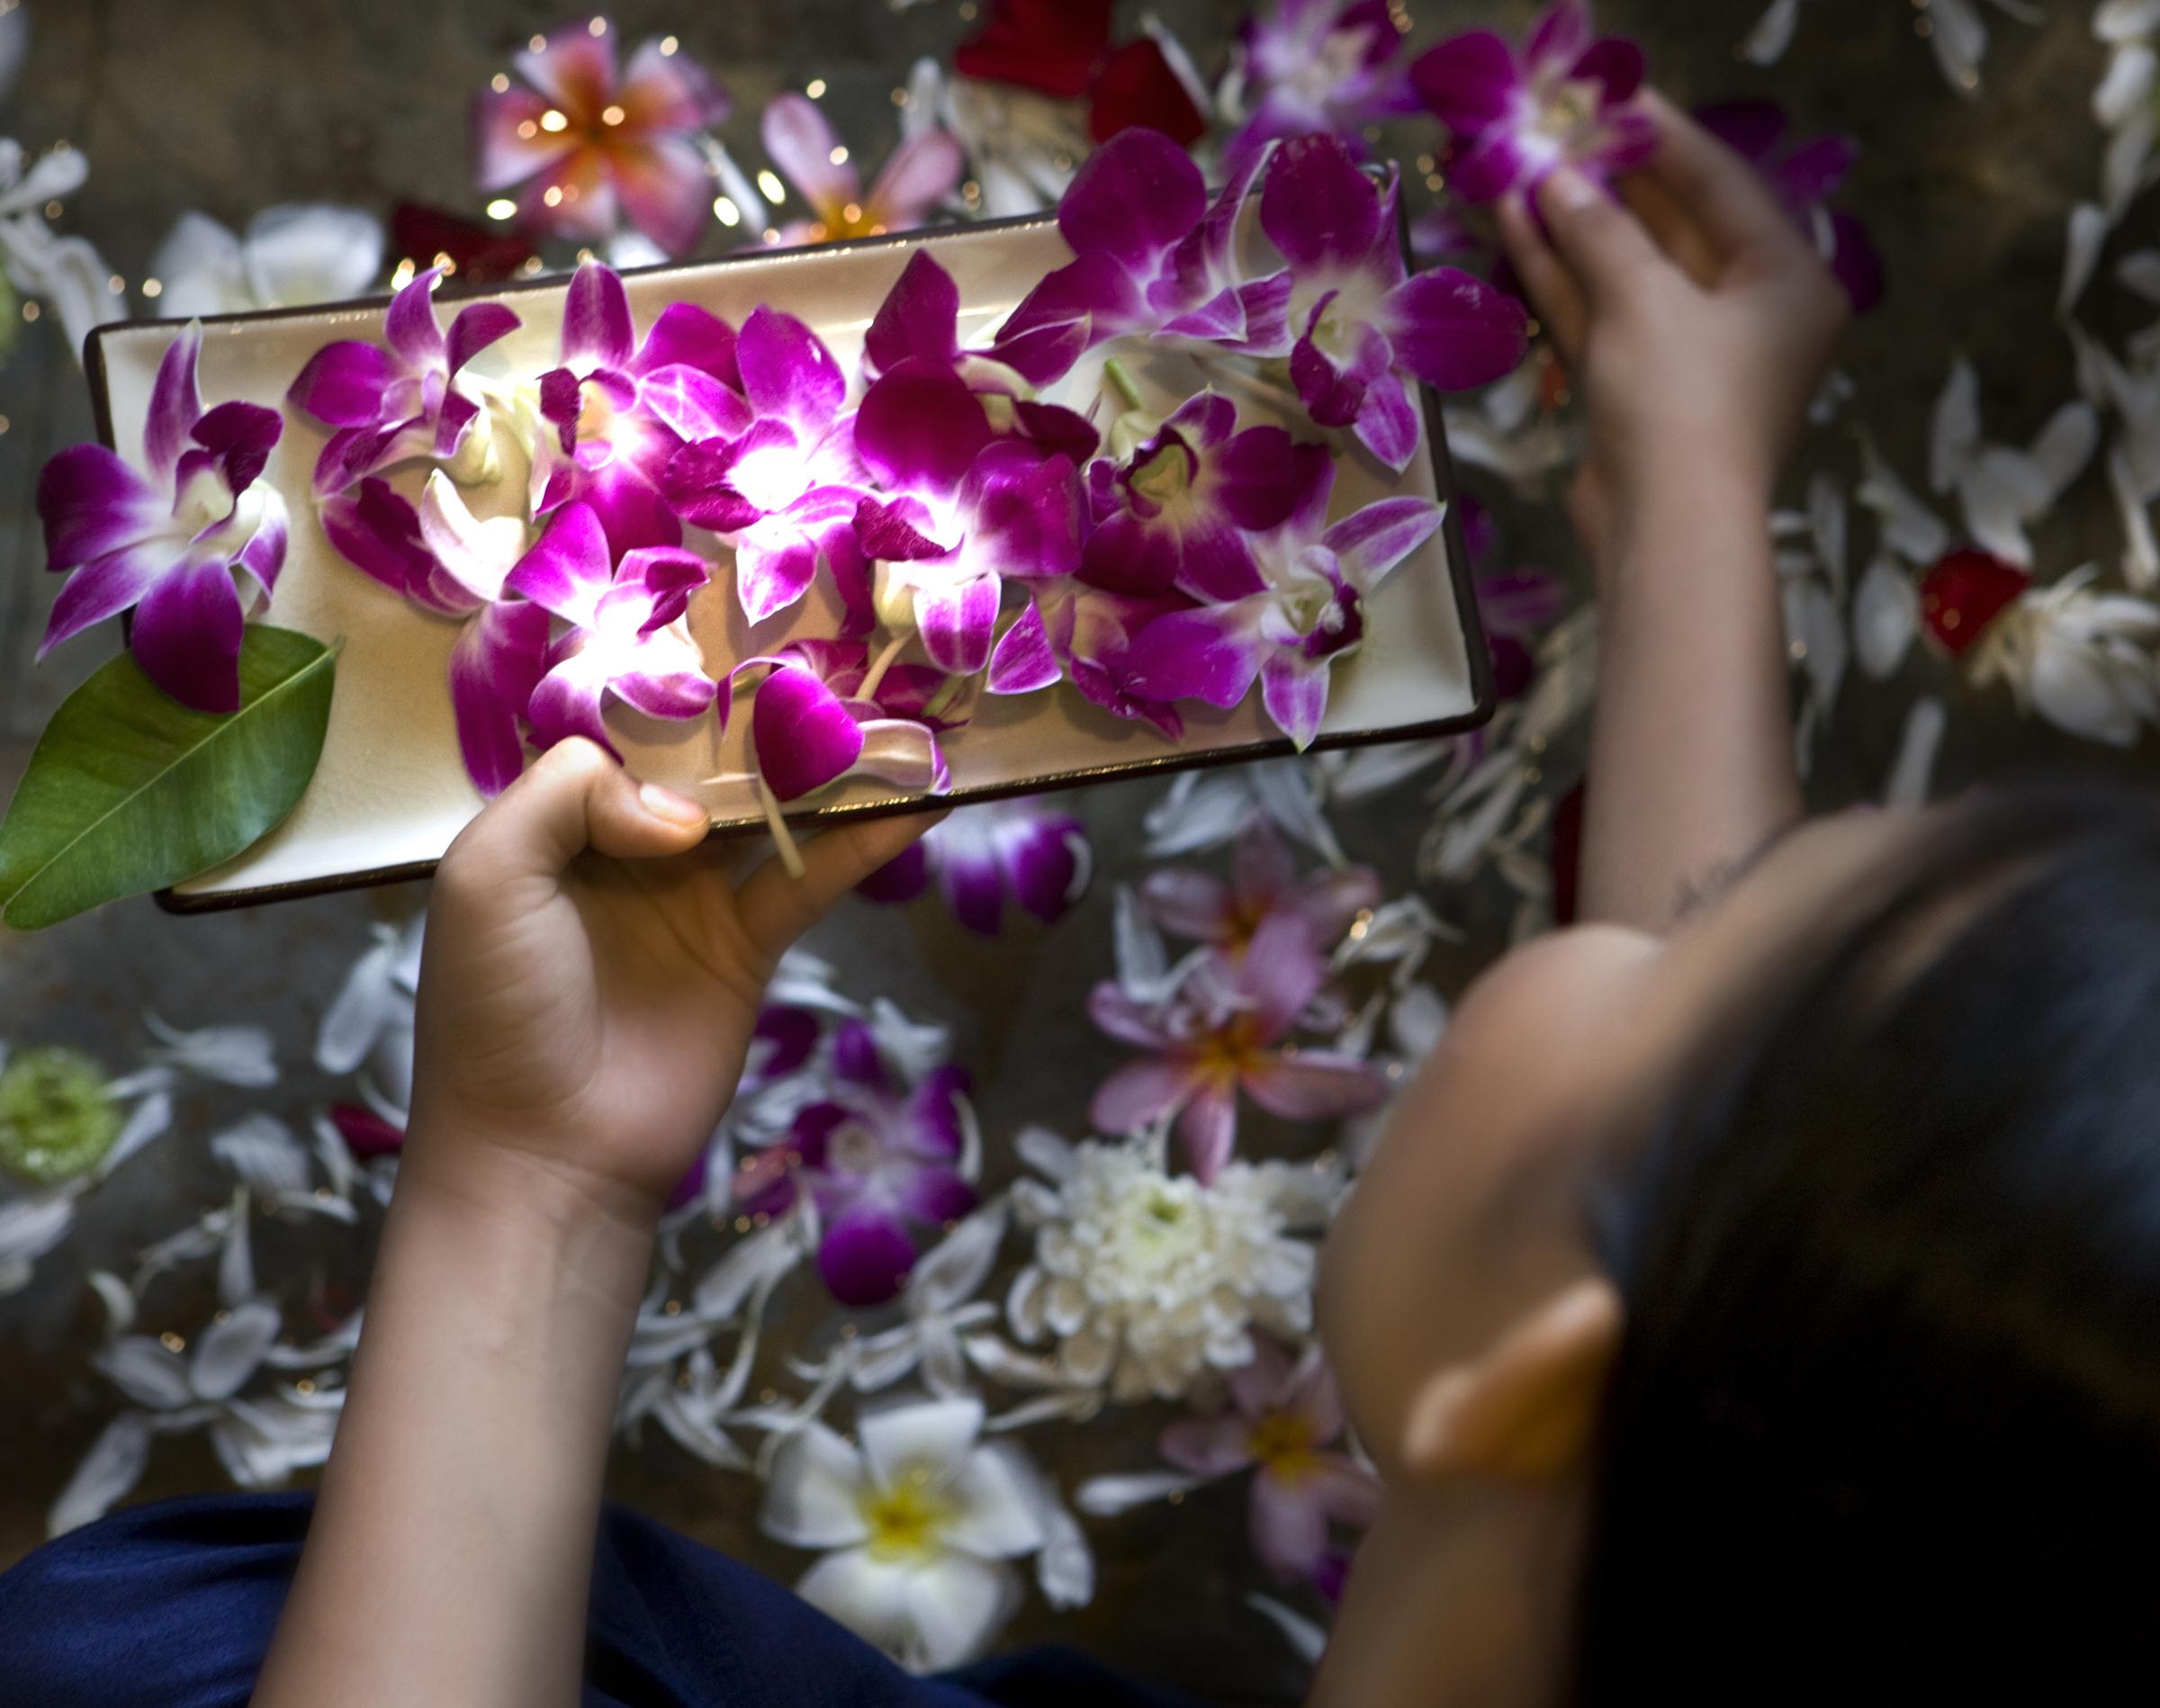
<point>130,791</point>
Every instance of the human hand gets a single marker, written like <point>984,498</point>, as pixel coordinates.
<point>1693,314</point>
<point>591,978</point>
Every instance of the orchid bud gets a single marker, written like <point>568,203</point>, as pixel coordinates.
<point>894,599</point>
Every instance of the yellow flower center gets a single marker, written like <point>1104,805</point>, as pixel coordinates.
<point>905,1520</point>
<point>1282,1444</point>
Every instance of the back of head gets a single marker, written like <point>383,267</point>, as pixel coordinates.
<point>1889,1393</point>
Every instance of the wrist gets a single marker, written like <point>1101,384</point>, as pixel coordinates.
<point>1684,515</point>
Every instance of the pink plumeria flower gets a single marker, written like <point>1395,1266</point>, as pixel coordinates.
<point>1151,254</point>
<point>922,172</point>
<point>395,404</point>
<point>1307,614</point>
<point>174,543</point>
<point>877,1160</point>
<point>593,146</point>
<point>813,722</point>
<point>1087,636</point>
<point>784,485</point>
<point>617,411</point>
<point>1360,327</point>
<point>1285,1421</point>
<point>1567,98</point>
<point>1264,886</point>
<point>960,510</point>
<point>1225,1029</point>
<point>1179,512</point>
<point>1333,66</point>
<point>1020,852</point>
<point>446,560</point>
<point>623,638</point>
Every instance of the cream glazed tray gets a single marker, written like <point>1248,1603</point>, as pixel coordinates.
<point>391,791</point>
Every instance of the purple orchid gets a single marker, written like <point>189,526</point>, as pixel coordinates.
<point>817,716</point>
<point>920,318</point>
<point>961,510</point>
<point>1308,612</point>
<point>924,171</point>
<point>876,1161</point>
<point>784,485</point>
<point>1805,174</point>
<point>1087,636</point>
<point>1178,513</point>
<point>623,638</point>
<point>1513,605</point>
<point>1567,98</point>
<point>170,544</point>
<point>589,144</point>
<point>1333,66</point>
<point>1019,852</point>
<point>616,411</point>
<point>1150,255</point>
<point>393,404</point>
<point>1283,1421</point>
<point>1361,324</point>
<point>1264,886</point>
<point>446,560</point>
<point>1227,1029</point>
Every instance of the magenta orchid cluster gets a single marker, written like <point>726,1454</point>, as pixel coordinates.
<point>963,532</point>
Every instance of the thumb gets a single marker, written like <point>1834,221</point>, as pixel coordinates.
<point>573,797</point>
<point>1603,243</point>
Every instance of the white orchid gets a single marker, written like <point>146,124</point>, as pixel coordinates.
<point>1205,810</point>
<point>943,1310</point>
<point>923,1519</point>
<point>370,1020</point>
<point>291,256</point>
<point>240,1056</point>
<point>66,274</point>
<point>1150,1283</point>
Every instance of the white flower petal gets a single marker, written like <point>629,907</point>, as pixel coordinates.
<point>201,269</point>
<point>2064,447</point>
<point>2088,233</point>
<point>868,1594</point>
<point>933,1436</point>
<point>231,1054</point>
<point>998,1513</point>
<point>1306,1640</point>
<point>263,1152</point>
<point>29,1229</point>
<point>1885,618</point>
<point>227,1353</point>
<point>1107,1496</point>
<point>1954,436</point>
<point>1773,33</point>
<point>2138,273</point>
<point>814,1492</point>
<point>2117,21</point>
<point>2076,687</point>
<point>954,1271</point>
<point>113,1465</point>
<point>1959,39</point>
<point>362,1008</point>
<point>148,1119</point>
<point>1912,774</point>
<point>311,252</point>
<point>956,1606</point>
<point>146,1370</point>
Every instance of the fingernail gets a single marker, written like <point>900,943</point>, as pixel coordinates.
<point>1570,190</point>
<point>665,803</point>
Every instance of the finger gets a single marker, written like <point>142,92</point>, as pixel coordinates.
<point>1672,229</point>
<point>575,796</point>
<point>777,908</point>
<point>1604,244</point>
<point>1725,196</point>
<point>1554,291</point>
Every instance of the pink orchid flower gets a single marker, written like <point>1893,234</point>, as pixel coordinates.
<point>392,405</point>
<point>1360,327</point>
<point>1264,886</point>
<point>1805,174</point>
<point>985,857</point>
<point>1308,611</point>
<point>592,146</point>
<point>878,1161</point>
<point>1087,636</point>
<point>959,511</point>
<point>817,717</point>
<point>173,544</point>
<point>1283,1420</point>
<point>924,171</point>
<point>1332,66</point>
<point>1567,98</point>
<point>1227,1029</point>
<point>617,411</point>
<point>623,638</point>
<point>784,485</point>
<point>444,560</point>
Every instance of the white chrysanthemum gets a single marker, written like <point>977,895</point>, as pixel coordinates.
<point>1147,1280</point>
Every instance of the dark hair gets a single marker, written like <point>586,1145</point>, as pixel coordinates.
<point>1887,1403</point>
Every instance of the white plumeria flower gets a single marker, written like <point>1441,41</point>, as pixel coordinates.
<point>2080,658</point>
<point>67,274</point>
<point>292,256</point>
<point>1149,1283</point>
<point>2000,489</point>
<point>923,1519</point>
<point>370,1020</point>
<point>240,1056</point>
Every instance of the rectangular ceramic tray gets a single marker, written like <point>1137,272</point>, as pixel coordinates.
<point>391,791</point>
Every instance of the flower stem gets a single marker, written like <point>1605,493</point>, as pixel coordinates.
<point>875,678</point>
<point>1121,381</point>
<point>791,856</point>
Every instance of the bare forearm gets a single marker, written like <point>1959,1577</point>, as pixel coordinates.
<point>450,1554</point>
<point>1691,756</point>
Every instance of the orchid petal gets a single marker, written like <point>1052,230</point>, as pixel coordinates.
<point>176,401</point>
<point>1133,200</point>
<point>411,325</point>
<point>788,371</point>
<point>1317,208</point>
<point>1210,655</point>
<point>1453,331</point>
<point>1295,694</point>
<point>687,336</point>
<point>865,1257</point>
<point>378,532</point>
<point>597,330</point>
<point>494,668</point>
<point>920,428</point>
<point>568,568</point>
<point>920,317</point>
<point>1469,81</point>
<point>1371,540</point>
<point>1023,661</point>
<point>92,503</point>
<point>475,328</point>
<point>344,383</point>
<point>187,635</point>
<point>803,735</point>
<point>958,622</point>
